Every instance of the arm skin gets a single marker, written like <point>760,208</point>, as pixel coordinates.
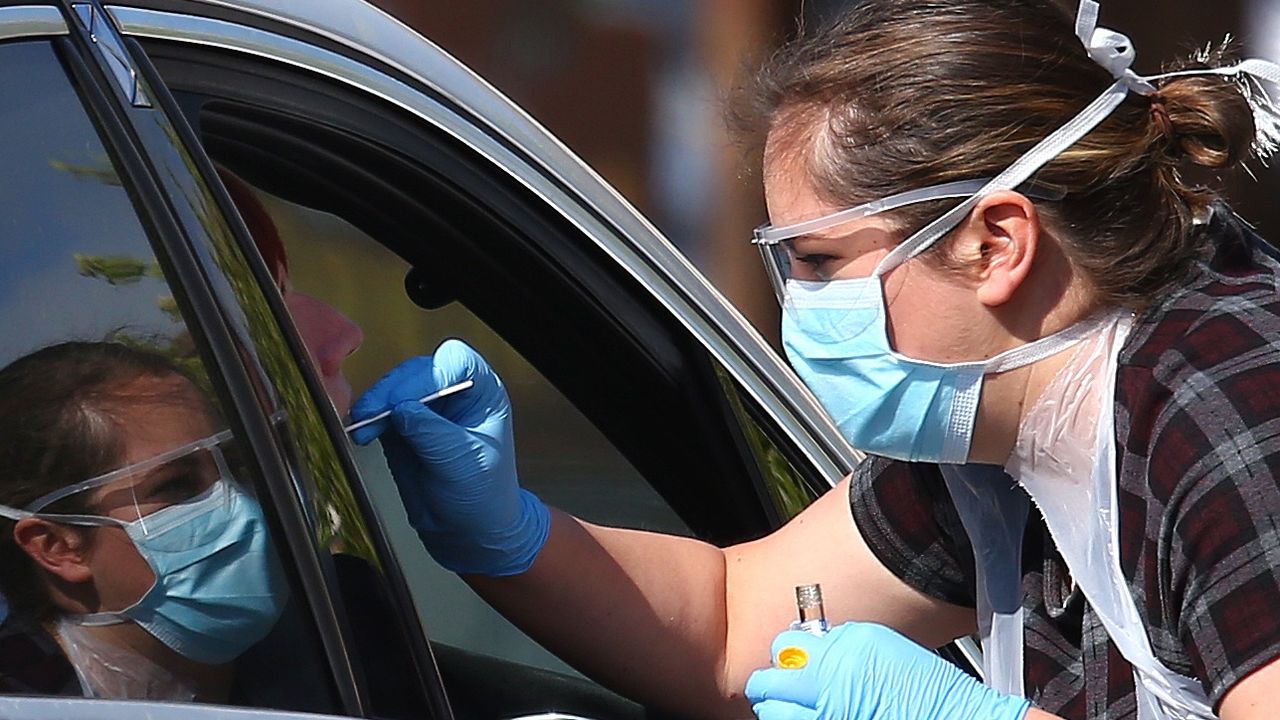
<point>1254,697</point>
<point>680,624</point>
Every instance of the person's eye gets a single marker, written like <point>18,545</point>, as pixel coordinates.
<point>178,487</point>
<point>816,263</point>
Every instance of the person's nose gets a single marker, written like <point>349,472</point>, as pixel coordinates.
<point>329,335</point>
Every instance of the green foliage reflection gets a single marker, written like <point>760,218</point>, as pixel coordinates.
<point>789,492</point>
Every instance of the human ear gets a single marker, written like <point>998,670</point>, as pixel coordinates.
<point>58,549</point>
<point>1007,230</point>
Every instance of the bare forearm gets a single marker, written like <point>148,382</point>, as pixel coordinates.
<point>640,612</point>
<point>680,624</point>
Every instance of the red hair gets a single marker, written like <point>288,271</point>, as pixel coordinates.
<point>261,227</point>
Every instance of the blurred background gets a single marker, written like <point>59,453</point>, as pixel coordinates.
<point>636,87</point>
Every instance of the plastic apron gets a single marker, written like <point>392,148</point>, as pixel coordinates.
<point>1065,458</point>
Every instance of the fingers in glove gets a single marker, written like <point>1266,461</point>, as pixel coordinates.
<point>792,686</point>
<point>453,362</point>
<point>807,641</point>
<point>779,710</point>
<point>435,439</point>
<point>399,384</point>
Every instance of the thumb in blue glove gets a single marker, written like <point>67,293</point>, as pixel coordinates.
<point>454,462</point>
<point>865,671</point>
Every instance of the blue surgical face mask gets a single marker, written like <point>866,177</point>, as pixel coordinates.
<point>836,337</point>
<point>219,587</point>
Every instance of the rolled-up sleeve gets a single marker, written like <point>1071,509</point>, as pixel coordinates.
<point>907,518</point>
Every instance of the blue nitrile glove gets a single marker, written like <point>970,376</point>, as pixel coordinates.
<point>864,671</point>
<point>454,462</point>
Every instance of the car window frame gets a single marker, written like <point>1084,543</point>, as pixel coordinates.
<point>418,77</point>
<point>337,629</point>
<point>650,328</point>
<point>64,708</point>
<point>130,134</point>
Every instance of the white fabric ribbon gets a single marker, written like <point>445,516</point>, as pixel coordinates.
<point>1110,49</point>
<point>1113,51</point>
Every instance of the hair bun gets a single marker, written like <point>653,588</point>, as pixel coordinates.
<point>1209,120</point>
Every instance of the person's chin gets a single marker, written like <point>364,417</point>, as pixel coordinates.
<point>339,394</point>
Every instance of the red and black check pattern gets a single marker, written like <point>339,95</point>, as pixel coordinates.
<point>1198,448</point>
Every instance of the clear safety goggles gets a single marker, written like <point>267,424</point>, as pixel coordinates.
<point>778,248</point>
<point>195,474</point>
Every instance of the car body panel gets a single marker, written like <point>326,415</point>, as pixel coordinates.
<point>20,21</point>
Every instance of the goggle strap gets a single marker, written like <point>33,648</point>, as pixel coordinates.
<point>1011,177</point>
<point>1053,145</point>
<point>16,514</point>
<point>960,188</point>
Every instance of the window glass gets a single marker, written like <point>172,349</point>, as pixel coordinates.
<point>785,485</point>
<point>562,457</point>
<point>78,264</point>
<point>113,434</point>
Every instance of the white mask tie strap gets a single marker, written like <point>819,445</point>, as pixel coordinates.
<point>1113,51</point>
<point>1110,49</point>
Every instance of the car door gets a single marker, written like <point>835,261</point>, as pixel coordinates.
<point>118,234</point>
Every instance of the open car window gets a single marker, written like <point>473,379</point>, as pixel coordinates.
<point>115,410</point>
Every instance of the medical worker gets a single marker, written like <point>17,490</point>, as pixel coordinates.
<point>1001,276</point>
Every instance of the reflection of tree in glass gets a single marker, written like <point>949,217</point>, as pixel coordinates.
<point>117,270</point>
<point>101,171</point>
<point>790,493</point>
<point>341,525</point>
<point>126,270</point>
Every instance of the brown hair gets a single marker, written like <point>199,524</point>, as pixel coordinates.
<point>901,94</point>
<point>59,426</point>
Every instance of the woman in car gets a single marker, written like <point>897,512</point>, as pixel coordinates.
<point>1061,353</point>
<point>328,335</point>
<point>135,563</point>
